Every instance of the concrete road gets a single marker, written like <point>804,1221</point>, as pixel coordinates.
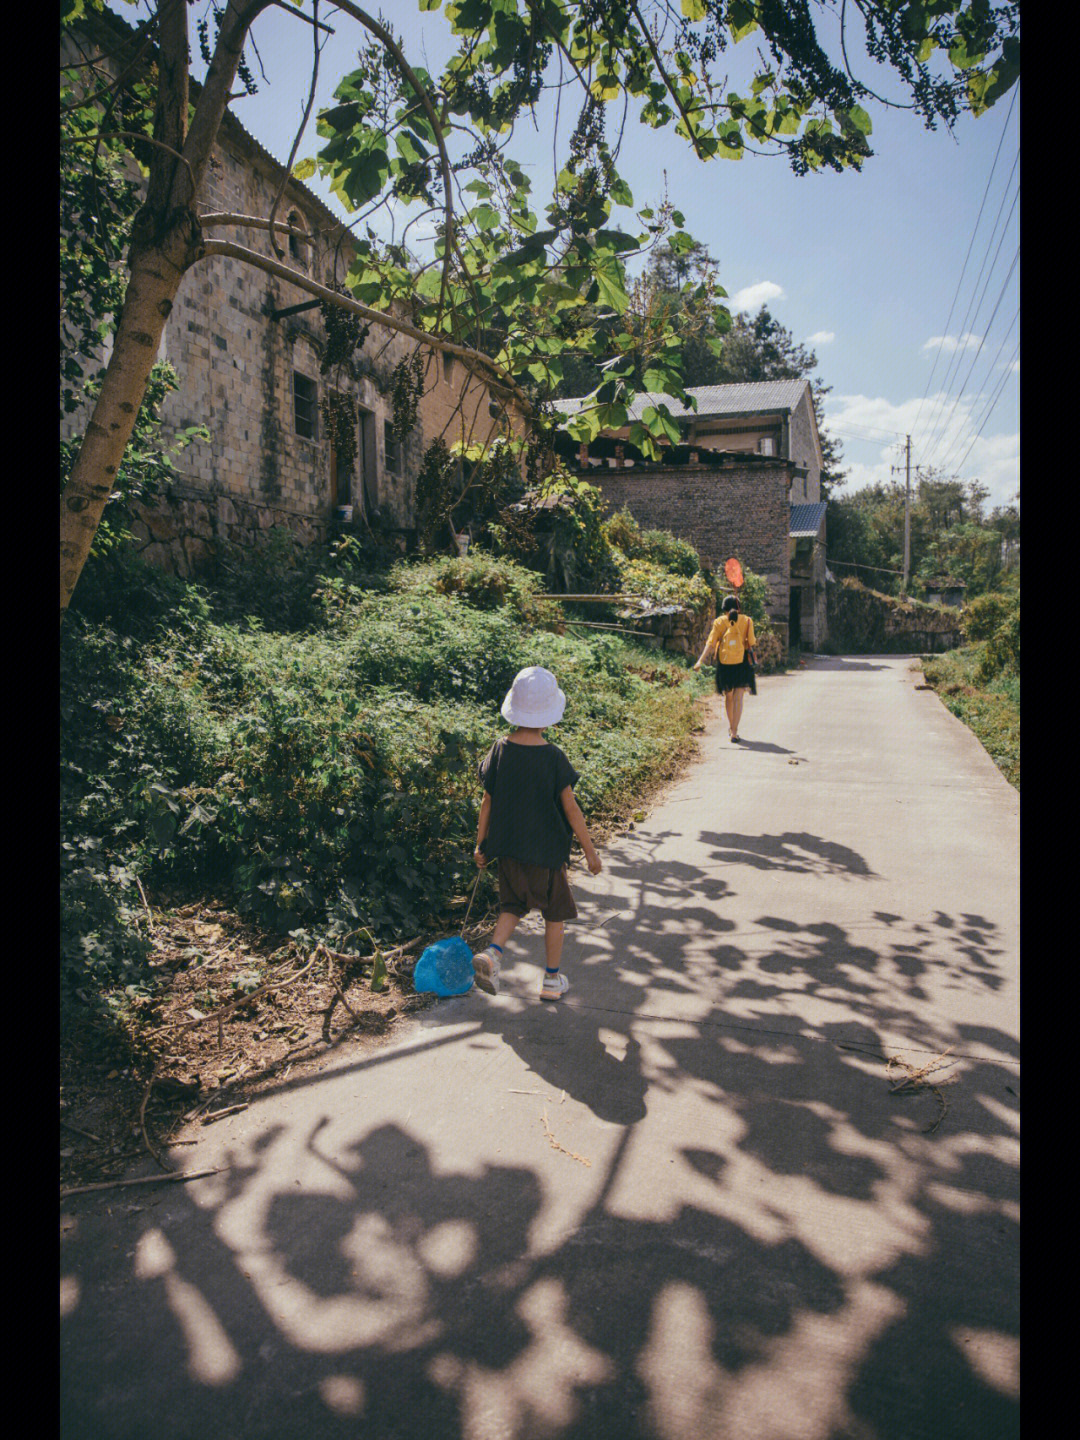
<point>702,1198</point>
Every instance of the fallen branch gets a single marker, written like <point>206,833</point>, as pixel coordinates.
<point>220,1114</point>
<point>142,1180</point>
<point>84,1133</point>
<point>916,1080</point>
<point>146,906</point>
<point>555,1144</point>
<point>142,1122</point>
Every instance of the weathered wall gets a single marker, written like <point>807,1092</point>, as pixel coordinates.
<point>803,451</point>
<point>738,509</point>
<point>236,365</point>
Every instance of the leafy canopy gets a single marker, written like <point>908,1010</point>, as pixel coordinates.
<point>541,285</point>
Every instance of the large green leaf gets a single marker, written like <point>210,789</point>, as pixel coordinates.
<point>658,421</point>
<point>611,282</point>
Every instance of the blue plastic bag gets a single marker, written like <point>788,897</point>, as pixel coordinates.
<point>445,968</point>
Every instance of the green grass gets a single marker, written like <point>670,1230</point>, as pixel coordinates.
<point>989,708</point>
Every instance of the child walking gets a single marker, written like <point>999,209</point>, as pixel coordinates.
<point>527,817</point>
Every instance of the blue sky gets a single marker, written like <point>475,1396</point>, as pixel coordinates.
<point>890,274</point>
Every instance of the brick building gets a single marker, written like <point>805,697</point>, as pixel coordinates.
<point>248,348</point>
<point>745,480</point>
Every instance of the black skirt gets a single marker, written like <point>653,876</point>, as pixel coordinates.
<point>734,677</point>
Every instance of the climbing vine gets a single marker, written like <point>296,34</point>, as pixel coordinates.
<point>406,388</point>
<point>345,333</point>
<point>341,420</point>
<point>434,494</point>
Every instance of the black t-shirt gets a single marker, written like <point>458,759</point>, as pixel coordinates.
<point>528,823</point>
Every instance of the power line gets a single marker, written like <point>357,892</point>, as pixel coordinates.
<point>973,307</point>
<point>990,409</point>
<point>936,427</point>
<point>978,352</point>
<point>971,242</point>
<point>958,439</point>
<point>858,565</point>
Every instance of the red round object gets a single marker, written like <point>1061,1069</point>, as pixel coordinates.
<point>733,571</point>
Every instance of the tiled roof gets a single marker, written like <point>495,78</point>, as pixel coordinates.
<point>806,519</point>
<point>744,398</point>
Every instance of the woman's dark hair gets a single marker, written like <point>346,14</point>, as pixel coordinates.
<point>731,602</point>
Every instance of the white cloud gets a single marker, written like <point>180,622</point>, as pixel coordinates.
<point>951,343</point>
<point>822,337</point>
<point>751,297</point>
<point>872,431</point>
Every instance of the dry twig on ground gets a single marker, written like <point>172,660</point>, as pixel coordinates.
<point>916,1080</point>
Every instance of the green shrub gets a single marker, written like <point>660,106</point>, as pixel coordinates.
<point>994,619</point>
<point>769,650</point>
<point>319,779</point>
<point>558,530</point>
<point>655,582</point>
<point>660,547</point>
<point>982,616</point>
<point>484,582</point>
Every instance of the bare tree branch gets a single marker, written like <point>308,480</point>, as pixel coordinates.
<point>410,75</point>
<point>254,222</point>
<point>297,137</point>
<point>307,19</point>
<point>494,375</point>
<point>667,79</point>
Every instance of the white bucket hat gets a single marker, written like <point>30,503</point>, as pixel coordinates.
<point>534,699</point>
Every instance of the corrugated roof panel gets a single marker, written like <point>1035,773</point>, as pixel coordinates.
<point>744,398</point>
<point>806,519</point>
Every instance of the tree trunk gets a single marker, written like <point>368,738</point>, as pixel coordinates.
<point>156,273</point>
<point>166,240</point>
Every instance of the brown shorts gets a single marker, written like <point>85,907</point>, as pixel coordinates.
<point>534,887</point>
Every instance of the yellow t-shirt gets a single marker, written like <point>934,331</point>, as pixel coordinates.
<point>731,638</point>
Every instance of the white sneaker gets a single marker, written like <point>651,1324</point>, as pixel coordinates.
<point>486,970</point>
<point>554,986</point>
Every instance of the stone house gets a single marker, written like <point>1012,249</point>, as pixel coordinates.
<point>248,348</point>
<point>744,481</point>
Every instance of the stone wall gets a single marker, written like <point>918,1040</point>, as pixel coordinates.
<point>672,627</point>
<point>739,509</point>
<point>863,621</point>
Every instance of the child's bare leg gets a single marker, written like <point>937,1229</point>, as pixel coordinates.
<point>729,706</point>
<point>554,982</point>
<point>554,931</point>
<point>505,926</point>
<point>739,697</point>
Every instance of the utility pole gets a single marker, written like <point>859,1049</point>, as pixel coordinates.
<point>907,521</point>
<point>907,514</point>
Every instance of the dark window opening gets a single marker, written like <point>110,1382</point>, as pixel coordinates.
<point>368,489</point>
<point>305,405</point>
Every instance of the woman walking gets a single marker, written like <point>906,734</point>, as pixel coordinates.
<point>732,635</point>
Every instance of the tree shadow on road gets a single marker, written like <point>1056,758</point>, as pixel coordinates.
<point>811,1255</point>
<point>796,852</point>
